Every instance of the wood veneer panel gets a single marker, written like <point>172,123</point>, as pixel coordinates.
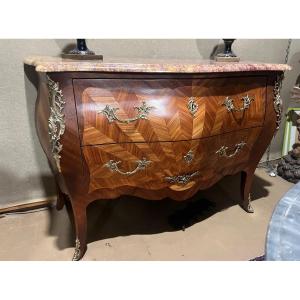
<point>213,118</point>
<point>170,118</point>
<point>167,159</point>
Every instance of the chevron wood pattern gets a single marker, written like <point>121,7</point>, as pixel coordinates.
<point>170,119</point>
<point>167,159</point>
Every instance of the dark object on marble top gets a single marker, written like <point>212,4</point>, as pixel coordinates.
<point>82,52</point>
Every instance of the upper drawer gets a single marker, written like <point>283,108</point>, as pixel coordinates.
<point>142,110</point>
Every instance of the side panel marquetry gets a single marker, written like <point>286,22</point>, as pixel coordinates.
<point>148,110</point>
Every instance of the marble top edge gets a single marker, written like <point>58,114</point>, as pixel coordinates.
<point>58,64</point>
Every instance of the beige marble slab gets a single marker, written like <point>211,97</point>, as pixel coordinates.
<point>58,64</point>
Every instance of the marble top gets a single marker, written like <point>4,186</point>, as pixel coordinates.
<point>58,64</point>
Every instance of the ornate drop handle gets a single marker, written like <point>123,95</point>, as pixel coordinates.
<point>228,102</point>
<point>141,165</point>
<point>223,150</point>
<point>110,113</point>
<point>181,179</point>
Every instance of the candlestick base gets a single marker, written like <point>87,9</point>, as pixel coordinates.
<point>227,55</point>
<point>220,58</point>
<point>82,56</point>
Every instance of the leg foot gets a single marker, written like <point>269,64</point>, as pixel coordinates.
<point>79,252</point>
<point>246,182</point>
<point>76,255</point>
<point>247,205</point>
<point>79,213</point>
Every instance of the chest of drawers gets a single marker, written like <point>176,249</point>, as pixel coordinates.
<point>155,131</point>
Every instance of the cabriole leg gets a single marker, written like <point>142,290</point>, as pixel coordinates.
<point>79,213</point>
<point>246,182</point>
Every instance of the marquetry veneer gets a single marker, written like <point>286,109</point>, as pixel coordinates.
<point>169,118</point>
<point>125,130</point>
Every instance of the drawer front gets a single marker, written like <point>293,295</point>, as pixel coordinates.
<point>176,165</point>
<point>231,104</point>
<point>129,110</point>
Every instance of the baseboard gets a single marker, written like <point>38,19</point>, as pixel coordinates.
<point>29,205</point>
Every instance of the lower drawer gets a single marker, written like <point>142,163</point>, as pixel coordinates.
<point>158,165</point>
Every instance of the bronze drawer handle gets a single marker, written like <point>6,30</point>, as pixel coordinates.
<point>110,113</point>
<point>223,150</point>
<point>182,179</point>
<point>228,102</point>
<point>141,165</point>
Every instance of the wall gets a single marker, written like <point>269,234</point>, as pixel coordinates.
<point>24,173</point>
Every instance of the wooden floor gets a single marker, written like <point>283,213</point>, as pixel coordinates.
<point>135,229</point>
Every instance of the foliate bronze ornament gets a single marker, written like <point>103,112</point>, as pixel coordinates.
<point>188,158</point>
<point>277,99</point>
<point>192,106</point>
<point>56,121</point>
<point>249,207</point>
<point>228,102</point>
<point>110,113</point>
<point>77,252</point>
<point>223,150</point>
<point>141,165</point>
<point>182,179</point>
